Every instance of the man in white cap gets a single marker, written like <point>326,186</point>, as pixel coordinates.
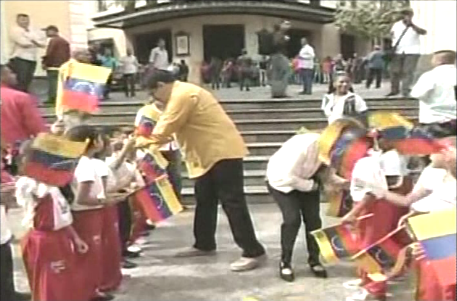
<point>436,91</point>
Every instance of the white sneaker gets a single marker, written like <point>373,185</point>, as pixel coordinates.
<point>246,264</point>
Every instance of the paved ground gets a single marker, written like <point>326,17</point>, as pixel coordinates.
<point>160,277</point>
<point>39,89</point>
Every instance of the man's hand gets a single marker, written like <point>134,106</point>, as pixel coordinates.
<point>418,251</point>
<point>349,219</point>
<point>58,128</point>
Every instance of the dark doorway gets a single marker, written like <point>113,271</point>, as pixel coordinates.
<point>223,41</point>
<point>294,45</point>
<point>145,42</point>
<point>347,46</point>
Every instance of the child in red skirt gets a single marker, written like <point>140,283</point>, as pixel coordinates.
<point>434,191</point>
<point>389,170</point>
<point>88,211</point>
<point>50,248</point>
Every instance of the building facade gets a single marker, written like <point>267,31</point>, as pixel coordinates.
<point>198,30</point>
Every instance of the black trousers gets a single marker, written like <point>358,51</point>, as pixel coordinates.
<point>294,207</point>
<point>224,182</point>
<point>374,74</point>
<point>245,81</point>
<point>24,70</point>
<point>125,223</point>
<point>129,84</point>
<point>6,273</point>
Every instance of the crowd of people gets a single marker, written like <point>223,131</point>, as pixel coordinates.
<point>82,234</point>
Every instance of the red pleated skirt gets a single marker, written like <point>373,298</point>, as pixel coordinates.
<point>50,262</point>
<point>89,224</point>
<point>428,286</point>
<point>111,248</point>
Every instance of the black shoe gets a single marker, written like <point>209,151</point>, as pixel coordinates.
<point>286,272</point>
<point>150,227</point>
<point>129,254</point>
<point>22,296</point>
<point>318,270</point>
<point>128,264</point>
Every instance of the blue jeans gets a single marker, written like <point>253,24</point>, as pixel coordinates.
<point>307,78</point>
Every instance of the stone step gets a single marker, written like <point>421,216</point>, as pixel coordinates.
<point>252,178</point>
<point>253,194</point>
<point>134,105</point>
<point>129,116</point>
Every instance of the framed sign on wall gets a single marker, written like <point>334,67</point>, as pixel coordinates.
<point>182,41</point>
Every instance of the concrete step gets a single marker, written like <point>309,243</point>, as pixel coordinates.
<point>129,115</point>
<point>134,105</point>
<point>252,178</point>
<point>255,125</point>
<point>253,194</point>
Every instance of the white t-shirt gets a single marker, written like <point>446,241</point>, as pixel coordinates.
<point>306,57</point>
<point>102,170</point>
<point>5,232</point>
<point>86,172</point>
<point>27,189</point>
<point>410,43</point>
<point>435,90</point>
<point>443,187</point>
<point>129,64</point>
<point>159,58</point>
<point>333,106</point>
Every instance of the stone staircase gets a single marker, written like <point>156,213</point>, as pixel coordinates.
<point>264,123</point>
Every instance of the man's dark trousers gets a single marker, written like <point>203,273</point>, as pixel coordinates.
<point>224,182</point>
<point>53,78</point>
<point>24,70</point>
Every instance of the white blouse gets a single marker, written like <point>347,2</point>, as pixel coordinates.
<point>333,106</point>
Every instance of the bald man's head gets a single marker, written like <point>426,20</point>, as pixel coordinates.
<point>444,57</point>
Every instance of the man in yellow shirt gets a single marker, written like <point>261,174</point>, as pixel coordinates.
<point>213,150</point>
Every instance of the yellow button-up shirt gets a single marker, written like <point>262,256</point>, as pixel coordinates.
<point>205,133</point>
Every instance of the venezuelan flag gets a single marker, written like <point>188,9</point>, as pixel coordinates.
<point>145,126</point>
<point>158,200</point>
<point>336,242</point>
<point>82,86</point>
<point>384,254</point>
<point>52,159</point>
<point>348,149</point>
<point>153,166</point>
<point>385,120</point>
<point>414,142</point>
<point>340,202</point>
<point>437,235</point>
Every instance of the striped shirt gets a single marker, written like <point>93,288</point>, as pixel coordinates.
<point>294,164</point>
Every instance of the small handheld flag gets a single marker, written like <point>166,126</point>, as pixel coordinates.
<point>52,159</point>
<point>340,202</point>
<point>158,200</point>
<point>145,127</point>
<point>336,242</point>
<point>83,86</point>
<point>153,166</point>
<point>437,234</point>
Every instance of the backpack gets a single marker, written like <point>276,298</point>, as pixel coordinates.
<point>266,42</point>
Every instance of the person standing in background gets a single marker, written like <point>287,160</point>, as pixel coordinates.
<point>24,51</point>
<point>95,56</point>
<point>244,70</point>
<point>215,68</point>
<point>327,70</point>
<point>406,41</point>
<point>263,66</point>
<point>357,70</point>
<point>158,60</point>
<point>375,67</point>
<point>110,62</point>
<point>306,66</point>
<point>183,71</point>
<point>279,64</point>
<point>57,53</point>
<point>129,64</point>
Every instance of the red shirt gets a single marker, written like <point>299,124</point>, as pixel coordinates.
<point>21,118</point>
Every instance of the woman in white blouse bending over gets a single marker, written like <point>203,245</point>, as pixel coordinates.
<point>341,101</point>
